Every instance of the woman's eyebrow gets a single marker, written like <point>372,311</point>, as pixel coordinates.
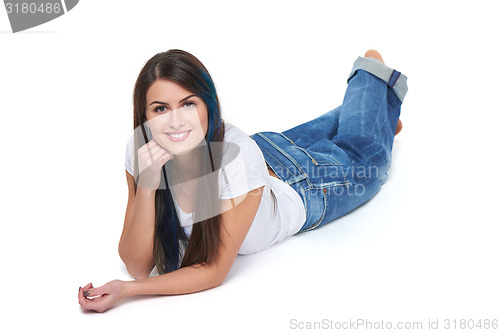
<point>182,100</point>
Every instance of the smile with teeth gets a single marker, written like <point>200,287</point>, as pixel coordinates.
<point>178,136</point>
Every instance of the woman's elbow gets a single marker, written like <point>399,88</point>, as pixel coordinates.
<point>219,278</point>
<point>138,273</point>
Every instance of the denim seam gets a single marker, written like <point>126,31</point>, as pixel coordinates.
<point>318,222</point>
<point>315,161</point>
<point>305,201</point>
<point>291,181</point>
<point>312,158</point>
<point>303,197</point>
<point>284,154</point>
<point>283,135</point>
<point>330,184</point>
<point>278,161</point>
<point>275,159</point>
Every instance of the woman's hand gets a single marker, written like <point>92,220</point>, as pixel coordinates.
<point>102,298</point>
<point>151,157</point>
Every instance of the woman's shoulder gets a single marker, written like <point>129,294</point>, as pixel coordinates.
<point>235,134</point>
<point>243,166</point>
<point>238,143</point>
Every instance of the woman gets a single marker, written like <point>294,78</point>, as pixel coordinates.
<point>204,191</point>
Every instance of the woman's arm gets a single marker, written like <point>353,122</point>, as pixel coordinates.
<point>136,241</point>
<point>235,225</point>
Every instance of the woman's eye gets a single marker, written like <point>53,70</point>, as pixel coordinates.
<point>161,108</point>
<point>189,104</point>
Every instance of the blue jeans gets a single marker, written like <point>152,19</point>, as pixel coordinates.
<point>339,160</point>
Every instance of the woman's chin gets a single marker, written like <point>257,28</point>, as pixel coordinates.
<point>181,151</point>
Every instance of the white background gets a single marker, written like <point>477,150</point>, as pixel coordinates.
<point>425,247</point>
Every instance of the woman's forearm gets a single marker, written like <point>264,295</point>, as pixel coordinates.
<point>136,245</point>
<point>185,280</point>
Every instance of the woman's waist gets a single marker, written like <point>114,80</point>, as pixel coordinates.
<point>271,172</point>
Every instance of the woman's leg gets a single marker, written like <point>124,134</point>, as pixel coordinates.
<point>339,160</point>
<point>322,127</point>
<point>368,121</point>
<point>375,55</point>
<point>370,114</point>
<point>362,146</point>
<point>326,125</point>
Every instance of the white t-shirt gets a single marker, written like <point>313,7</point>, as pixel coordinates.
<point>246,172</point>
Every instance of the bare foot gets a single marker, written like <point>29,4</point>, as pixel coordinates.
<point>399,127</point>
<point>375,55</point>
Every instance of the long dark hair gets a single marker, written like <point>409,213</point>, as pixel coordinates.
<point>170,240</point>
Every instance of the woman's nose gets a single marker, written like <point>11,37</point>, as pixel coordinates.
<point>176,119</point>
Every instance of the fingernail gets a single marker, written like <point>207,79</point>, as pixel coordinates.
<point>79,289</point>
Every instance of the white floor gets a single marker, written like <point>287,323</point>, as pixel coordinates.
<point>423,250</point>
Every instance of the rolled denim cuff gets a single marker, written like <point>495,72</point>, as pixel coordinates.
<point>393,78</point>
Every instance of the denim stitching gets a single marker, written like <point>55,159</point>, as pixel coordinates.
<point>281,151</point>
<point>318,222</point>
<point>275,159</point>
<point>294,180</point>
<point>313,159</point>
<point>304,197</point>
<point>305,201</point>
<point>332,184</point>
<point>283,135</point>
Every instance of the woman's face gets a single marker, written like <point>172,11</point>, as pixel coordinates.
<point>178,118</point>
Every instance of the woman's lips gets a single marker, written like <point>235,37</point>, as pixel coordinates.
<point>181,136</point>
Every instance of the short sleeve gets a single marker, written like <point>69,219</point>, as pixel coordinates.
<point>246,172</point>
<point>129,156</point>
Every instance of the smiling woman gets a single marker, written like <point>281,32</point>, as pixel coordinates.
<point>175,115</point>
<point>201,191</point>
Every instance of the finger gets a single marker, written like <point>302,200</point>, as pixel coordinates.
<point>146,154</point>
<point>97,305</point>
<point>93,292</point>
<point>159,155</point>
<point>158,161</point>
<point>81,298</point>
<point>156,166</point>
<point>151,146</point>
<point>163,158</point>
<point>87,286</point>
<point>153,153</point>
<point>87,303</point>
<point>150,157</point>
